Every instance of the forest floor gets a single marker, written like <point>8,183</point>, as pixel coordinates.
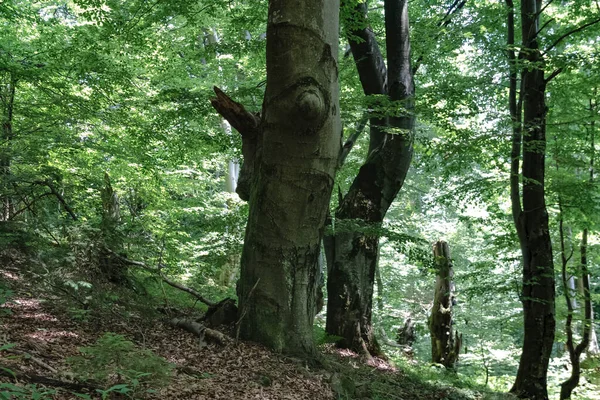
<point>42,325</point>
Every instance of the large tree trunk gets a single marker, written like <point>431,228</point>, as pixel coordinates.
<point>355,252</point>
<point>445,343</point>
<point>298,143</point>
<point>532,220</point>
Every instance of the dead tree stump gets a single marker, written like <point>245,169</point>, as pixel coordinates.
<point>445,343</point>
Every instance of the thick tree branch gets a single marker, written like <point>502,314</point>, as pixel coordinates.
<point>452,10</point>
<point>544,8</point>
<point>59,196</point>
<point>544,26</point>
<point>554,74</point>
<point>367,56</point>
<point>247,124</point>
<point>349,144</point>
<point>242,120</point>
<point>515,116</point>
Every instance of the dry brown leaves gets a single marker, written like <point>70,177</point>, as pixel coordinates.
<point>38,326</point>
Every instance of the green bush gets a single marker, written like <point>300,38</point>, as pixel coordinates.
<point>114,359</point>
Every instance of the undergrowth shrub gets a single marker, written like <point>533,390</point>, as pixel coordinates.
<point>8,391</point>
<point>5,295</point>
<point>114,359</point>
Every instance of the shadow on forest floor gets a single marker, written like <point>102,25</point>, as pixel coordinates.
<point>44,322</point>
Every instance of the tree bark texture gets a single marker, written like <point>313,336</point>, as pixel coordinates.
<point>297,147</point>
<point>532,220</point>
<point>354,253</point>
<point>445,343</point>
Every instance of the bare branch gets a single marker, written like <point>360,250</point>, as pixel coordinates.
<point>200,330</point>
<point>544,8</point>
<point>543,26</point>
<point>33,359</point>
<point>44,380</point>
<point>59,196</point>
<point>554,74</point>
<point>158,271</point>
<point>571,32</point>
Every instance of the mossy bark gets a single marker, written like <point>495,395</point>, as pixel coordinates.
<point>294,156</point>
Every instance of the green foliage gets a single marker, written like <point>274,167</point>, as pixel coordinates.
<point>123,87</point>
<point>5,296</point>
<point>114,358</point>
<point>322,337</point>
<point>8,391</point>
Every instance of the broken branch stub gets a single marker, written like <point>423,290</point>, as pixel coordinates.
<point>248,125</point>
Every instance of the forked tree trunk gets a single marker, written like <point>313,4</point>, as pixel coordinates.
<point>531,220</point>
<point>354,252</point>
<point>588,333</point>
<point>445,342</point>
<point>575,351</point>
<point>292,156</point>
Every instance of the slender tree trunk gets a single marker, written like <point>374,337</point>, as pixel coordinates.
<point>593,348</point>
<point>532,221</point>
<point>575,351</point>
<point>111,266</point>
<point>296,152</point>
<point>445,342</point>
<point>7,97</point>
<point>355,253</point>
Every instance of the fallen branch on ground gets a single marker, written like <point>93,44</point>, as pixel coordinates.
<point>389,342</point>
<point>158,272</point>
<point>44,380</point>
<point>200,330</point>
<point>33,359</point>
